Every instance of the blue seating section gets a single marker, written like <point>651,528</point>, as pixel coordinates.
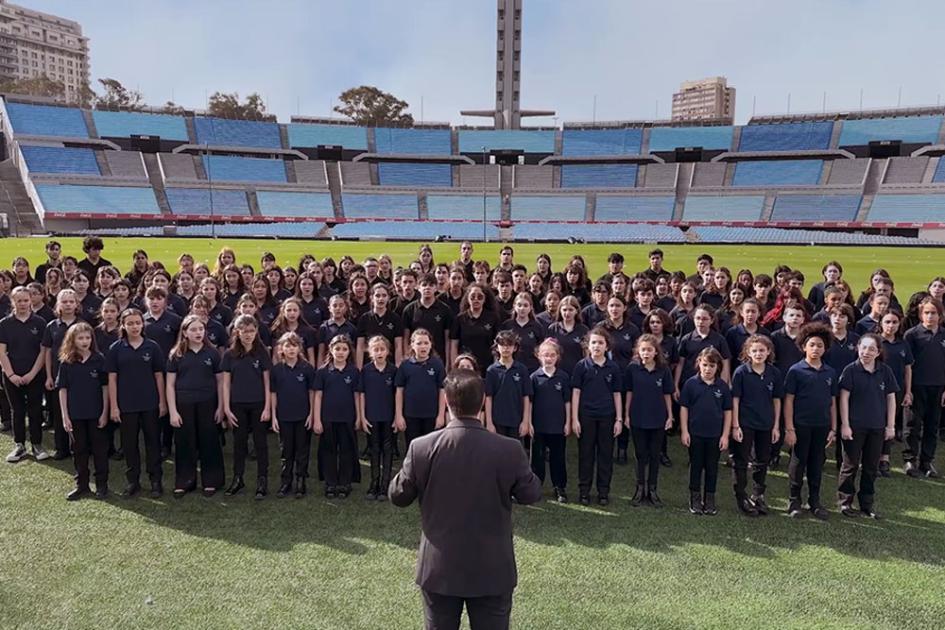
<point>234,230</point>
<point>467,207</point>
<point>907,209</point>
<point>98,199</point>
<point>778,173</point>
<point>231,168</point>
<point>786,136</point>
<point>389,206</point>
<point>598,175</point>
<point>45,120</point>
<point>634,208</point>
<point>414,174</point>
<point>198,201</point>
<point>312,135</point>
<point>920,129</point>
<point>709,138</point>
<point>413,141</point>
<point>712,234</point>
<point>530,141</point>
<point>419,230</point>
<point>587,142</point>
<point>125,124</point>
<point>815,207</point>
<point>723,208</point>
<point>60,160</point>
<point>294,204</point>
<point>599,232</point>
<point>237,133</point>
<point>548,207</point>
<point>939,176</point>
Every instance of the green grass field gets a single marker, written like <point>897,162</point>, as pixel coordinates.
<point>228,562</point>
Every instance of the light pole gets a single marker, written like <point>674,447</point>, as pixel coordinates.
<point>213,227</point>
<point>484,238</point>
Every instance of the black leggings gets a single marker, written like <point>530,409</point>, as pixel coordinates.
<point>418,427</point>
<point>807,459</point>
<point>861,454</point>
<point>759,442</point>
<point>921,431</point>
<point>338,444</point>
<point>134,423</point>
<point>703,458</point>
<point>555,443</point>
<point>60,437</point>
<point>296,443</point>
<point>596,446</point>
<point>26,400</point>
<point>248,421</point>
<point>198,439</point>
<point>380,443</point>
<point>88,438</point>
<point>647,445</point>
<point>887,444</point>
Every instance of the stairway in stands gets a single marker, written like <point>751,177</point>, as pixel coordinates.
<point>874,177</point>
<point>153,167</point>
<point>15,202</point>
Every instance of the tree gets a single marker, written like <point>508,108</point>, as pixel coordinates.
<point>173,108</point>
<point>227,105</point>
<point>369,106</point>
<point>118,97</point>
<point>35,86</point>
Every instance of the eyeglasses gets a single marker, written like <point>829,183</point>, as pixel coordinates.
<point>476,298</point>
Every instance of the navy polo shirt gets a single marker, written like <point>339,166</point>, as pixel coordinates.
<point>529,337</point>
<point>221,314</point>
<point>867,325</point>
<point>83,383</point>
<point>330,328</point>
<point>177,305</point>
<point>46,313</point>
<point>842,353</point>
<point>437,319</point>
<point>707,404</point>
<point>216,335</point>
<point>682,319</point>
<point>814,391</point>
<point>422,382</point>
<point>597,383</point>
<point>314,312</point>
<point>105,338</point>
<point>246,376</point>
<point>450,301</point>
<point>649,389</point>
<point>508,386</point>
<point>476,334</point>
<point>551,396</point>
<point>756,394</point>
<point>591,315</point>
<point>267,313</point>
<point>621,342</point>
<point>378,389</point>
<point>389,325</point>
<point>89,308</point>
<point>928,349</point>
<point>338,388</point>
<point>736,336</point>
<point>715,300</point>
<point>291,385</point>
<point>53,336</point>
<point>868,391</point>
<point>636,316</point>
<point>135,369</point>
<point>307,334</point>
<point>196,374</point>
<point>897,355</point>
<point>786,351</point>
<point>163,330</point>
<point>669,348</point>
<point>692,344</point>
<point>572,349</point>
<point>23,340</point>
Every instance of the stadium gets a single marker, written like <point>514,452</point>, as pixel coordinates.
<point>863,186</point>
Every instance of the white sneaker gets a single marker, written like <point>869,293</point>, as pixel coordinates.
<point>17,454</point>
<point>40,453</point>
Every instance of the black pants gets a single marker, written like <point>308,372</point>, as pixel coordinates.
<point>511,432</point>
<point>807,459</point>
<point>60,437</point>
<point>921,432</point>
<point>596,445</point>
<point>862,452</point>
<point>647,445</point>
<point>88,438</point>
<point>418,427</point>
<point>776,447</point>
<point>381,444</point>
<point>555,443</point>
<point>887,444</point>
<point>623,440</point>
<point>132,424</point>
<point>248,421</point>
<point>26,400</point>
<point>198,439</point>
<point>338,444</point>
<point>6,412</point>
<point>754,441</point>
<point>703,459</point>
<point>296,443</point>
<point>443,612</point>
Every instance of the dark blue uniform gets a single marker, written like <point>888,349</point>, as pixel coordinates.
<point>529,337</point>
<point>164,330</point>
<point>507,386</point>
<point>23,340</point>
<point>551,397</point>
<point>291,386</point>
<point>928,381</point>
<point>84,382</point>
<point>756,394</point>
<point>195,390</point>
<point>379,390</point>
<point>314,312</point>
<point>247,401</point>
<point>337,454</point>
<point>475,336</point>
<point>691,344</point>
<point>648,391</point>
<point>421,382</point>
<point>706,404</point>
<point>596,414</point>
<point>572,344</point>
<point>814,392</point>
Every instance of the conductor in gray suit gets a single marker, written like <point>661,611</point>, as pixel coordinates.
<point>465,478</point>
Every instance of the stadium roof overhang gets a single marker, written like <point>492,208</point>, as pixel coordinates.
<point>410,157</point>
<point>931,150</point>
<point>557,160</point>
<point>216,148</point>
<point>808,154</point>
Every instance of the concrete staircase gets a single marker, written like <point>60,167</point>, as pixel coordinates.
<point>334,185</point>
<point>156,179</point>
<point>874,177</point>
<point>16,203</point>
<point>683,183</point>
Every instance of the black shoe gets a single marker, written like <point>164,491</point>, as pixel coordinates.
<point>118,455</point>
<point>130,490</point>
<point>235,486</point>
<point>157,490</point>
<point>794,509</point>
<point>708,505</point>
<point>78,493</point>
<point>654,499</point>
<point>61,454</point>
<point>344,491</point>
<point>638,496</point>
<point>884,469</point>
<point>746,507</point>
<point>284,490</point>
<point>262,488</point>
<point>695,503</point>
<point>847,510</point>
<point>603,500</point>
<point>868,512</point>
<point>101,491</point>
<point>665,460</point>
<point>331,492</point>
<point>758,502</point>
<point>584,499</point>
<point>300,489</point>
<point>209,492</point>
<point>929,471</point>
<point>820,512</point>
<point>371,494</point>
<point>560,495</point>
<point>911,470</point>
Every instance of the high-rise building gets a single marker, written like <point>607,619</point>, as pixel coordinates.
<point>705,99</point>
<point>34,44</point>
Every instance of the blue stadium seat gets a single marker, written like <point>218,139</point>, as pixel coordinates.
<point>250,230</point>
<point>723,208</point>
<point>381,206</point>
<point>598,175</point>
<point>69,160</point>
<point>125,124</point>
<point>786,136</point>
<point>778,173</point>
<point>713,234</point>
<point>45,120</point>
<point>918,129</point>
<point>416,141</point>
<point>599,232</point>
<point>237,133</point>
<point>294,204</point>
<point>815,207</point>
<point>418,174</point>
<point>939,176</point>
<point>548,207</point>
<point>928,208</point>
<point>709,138</point>
<point>98,199</point>
<point>589,142</point>
<point>233,168</point>
<point>198,201</point>
<point>634,208</point>
<point>312,135</point>
<point>530,141</point>
<point>467,207</point>
<point>419,230</point>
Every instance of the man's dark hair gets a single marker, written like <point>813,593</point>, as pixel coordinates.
<point>705,257</point>
<point>92,242</point>
<point>464,393</point>
<point>615,257</point>
<point>655,252</point>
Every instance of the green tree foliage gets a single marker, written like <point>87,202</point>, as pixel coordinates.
<point>228,105</point>
<point>117,97</point>
<point>372,107</point>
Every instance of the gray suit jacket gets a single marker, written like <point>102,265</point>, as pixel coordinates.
<point>465,478</point>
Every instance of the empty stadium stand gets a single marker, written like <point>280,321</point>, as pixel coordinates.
<point>848,172</point>
<point>794,136</point>
<point>905,170</point>
<point>918,209</point>
<point>629,233</point>
<point>414,230</point>
<point>709,138</point>
<point>598,175</point>
<point>778,173</point>
<point>128,164</point>
<point>44,120</point>
<point>529,141</point>
<point>243,169</point>
<point>548,207</point>
<point>99,200</point>
<point>66,160</point>
<point>463,207</point>
<point>471,176</point>
<point>939,176</point>
<point>592,142</point>
<point>918,129</point>
<point>294,204</point>
<point>815,208</point>
<point>659,176</point>
<point>415,175</point>
<point>414,141</point>
<point>222,132</point>
<point>381,206</point>
<point>632,208</point>
<point>311,173</point>
<point>533,176</point>
<point>715,208</point>
<point>206,201</point>
<point>125,124</point>
<point>313,135</point>
<point>178,166</point>
<point>709,175</point>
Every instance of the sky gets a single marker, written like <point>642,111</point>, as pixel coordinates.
<point>628,57</point>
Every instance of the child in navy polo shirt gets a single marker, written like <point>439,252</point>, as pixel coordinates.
<point>83,398</point>
<point>867,419</point>
<point>569,332</point>
<point>377,393</point>
<point>474,330</point>
<point>623,335</point>
<point>290,319</point>
<point>551,417</point>
<point>336,414</point>
<point>217,311</point>
<point>649,414</point>
<point>292,386</point>
<point>757,390</point>
<point>530,332</point>
<point>195,403</point>
<point>927,342</point>
<point>747,323</point>
<point>508,389</point>
<point>787,352</point>
<point>705,419</point>
<point>246,396</point>
<point>247,306</point>
<point>596,385</point>
<point>692,344</point>
<point>898,356</point>
<point>265,304</point>
<point>810,417</point>
<point>380,320</point>
<point>420,403</point>
<point>314,307</point>
<point>337,324</point>
<point>53,335</point>
<point>216,334</point>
